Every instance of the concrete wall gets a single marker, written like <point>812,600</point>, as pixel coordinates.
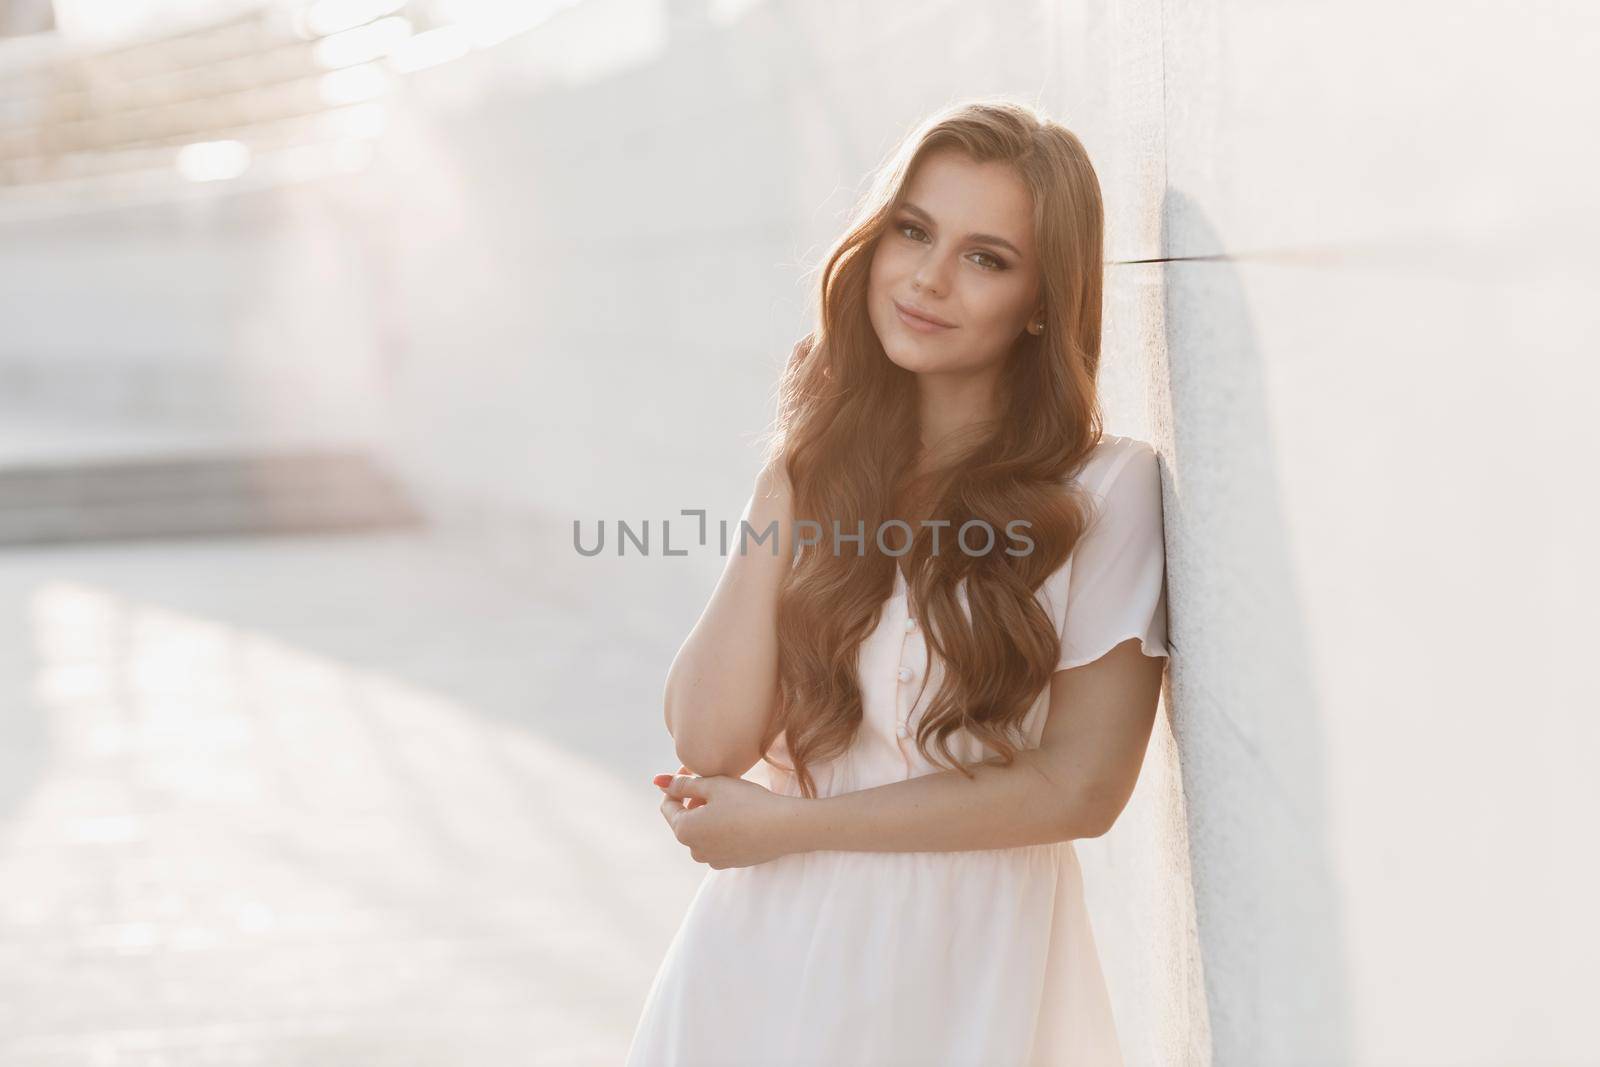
<point>1350,302</point>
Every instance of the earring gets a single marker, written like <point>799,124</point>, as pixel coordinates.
<point>1036,328</point>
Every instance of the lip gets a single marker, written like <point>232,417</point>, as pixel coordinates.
<point>921,320</point>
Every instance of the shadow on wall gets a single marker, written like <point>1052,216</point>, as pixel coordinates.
<point>1244,698</point>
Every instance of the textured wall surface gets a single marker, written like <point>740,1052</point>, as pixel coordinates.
<point>1350,301</point>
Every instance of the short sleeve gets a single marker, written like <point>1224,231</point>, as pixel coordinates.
<point>1117,585</point>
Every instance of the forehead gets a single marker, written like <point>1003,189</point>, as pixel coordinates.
<point>965,197</point>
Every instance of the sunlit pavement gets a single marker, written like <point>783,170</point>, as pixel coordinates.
<point>350,799</point>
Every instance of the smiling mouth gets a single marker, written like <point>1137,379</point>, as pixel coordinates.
<point>919,322</point>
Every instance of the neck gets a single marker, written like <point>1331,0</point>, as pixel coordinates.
<point>954,412</point>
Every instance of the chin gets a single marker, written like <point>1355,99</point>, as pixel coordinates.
<point>908,356</point>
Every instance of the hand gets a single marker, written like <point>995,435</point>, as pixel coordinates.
<point>661,781</point>
<point>725,821</point>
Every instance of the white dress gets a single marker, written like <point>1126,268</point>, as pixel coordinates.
<point>882,959</point>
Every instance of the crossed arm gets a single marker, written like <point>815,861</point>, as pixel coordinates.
<point>1073,785</point>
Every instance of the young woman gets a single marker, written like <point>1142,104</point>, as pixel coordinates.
<point>938,722</point>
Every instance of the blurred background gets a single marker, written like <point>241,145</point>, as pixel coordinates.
<point>321,323</point>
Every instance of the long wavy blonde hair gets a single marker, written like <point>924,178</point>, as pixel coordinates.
<point>847,436</point>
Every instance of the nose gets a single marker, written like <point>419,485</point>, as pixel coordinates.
<point>930,273</point>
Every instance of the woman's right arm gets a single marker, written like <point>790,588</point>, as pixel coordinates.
<point>722,686</point>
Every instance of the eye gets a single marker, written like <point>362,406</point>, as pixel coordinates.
<point>984,260</point>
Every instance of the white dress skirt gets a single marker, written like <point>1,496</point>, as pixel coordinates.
<point>884,959</point>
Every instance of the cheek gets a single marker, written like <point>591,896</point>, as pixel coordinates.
<point>889,265</point>
<point>879,286</point>
<point>1002,308</point>
<point>877,273</point>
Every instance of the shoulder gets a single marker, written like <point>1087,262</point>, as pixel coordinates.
<point>1122,477</point>
<point>773,480</point>
<point>1114,459</point>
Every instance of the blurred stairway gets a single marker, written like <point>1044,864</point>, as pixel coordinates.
<point>198,495</point>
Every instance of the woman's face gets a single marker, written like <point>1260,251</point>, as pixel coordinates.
<point>960,248</point>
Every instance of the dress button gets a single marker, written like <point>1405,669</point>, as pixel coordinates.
<point>904,674</point>
<point>911,624</point>
<point>903,730</point>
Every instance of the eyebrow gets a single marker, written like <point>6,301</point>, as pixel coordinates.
<point>985,238</point>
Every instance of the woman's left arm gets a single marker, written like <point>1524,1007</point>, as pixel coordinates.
<point>1074,785</point>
